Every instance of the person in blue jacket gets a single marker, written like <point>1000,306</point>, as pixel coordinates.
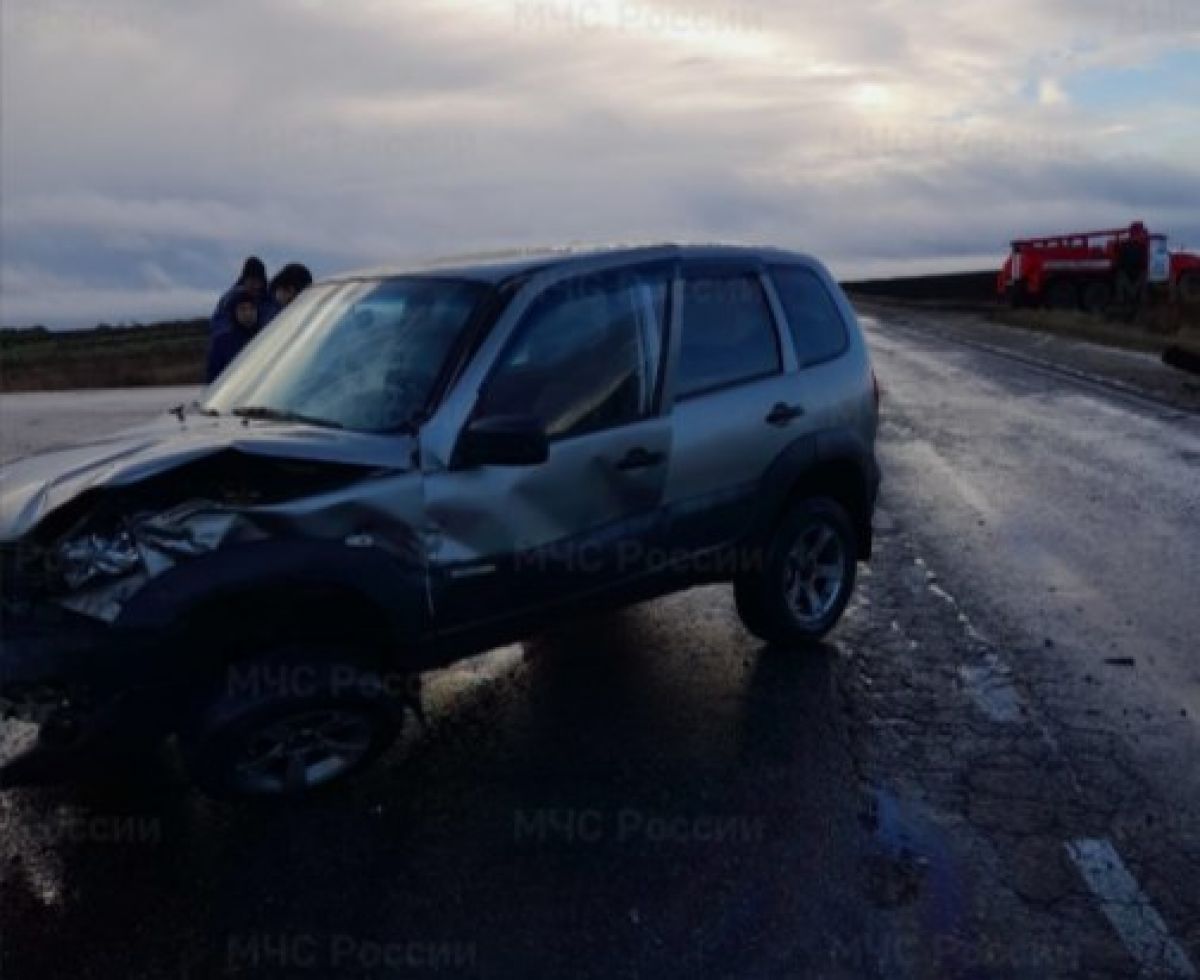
<point>253,280</point>
<point>227,341</point>
<point>288,283</point>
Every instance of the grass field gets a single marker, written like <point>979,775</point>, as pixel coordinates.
<point>37,359</point>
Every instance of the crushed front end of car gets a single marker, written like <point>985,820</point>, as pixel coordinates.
<point>102,552</point>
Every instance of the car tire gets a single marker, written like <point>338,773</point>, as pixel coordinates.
<point>1096,296</point>
<point>806,576</point>
<point>286,727</point>
<point>1188,290</point>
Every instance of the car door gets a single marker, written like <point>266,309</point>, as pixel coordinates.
<point>737,403</point>
<point>585,358</point>
<point>832,386</point>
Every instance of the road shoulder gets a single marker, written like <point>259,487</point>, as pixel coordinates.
<point>1136,373</point>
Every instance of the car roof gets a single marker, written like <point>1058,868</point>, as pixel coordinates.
<point>505,264</point>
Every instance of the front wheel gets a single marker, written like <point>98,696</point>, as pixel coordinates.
<point>806,576</point>
<point>286,728</point>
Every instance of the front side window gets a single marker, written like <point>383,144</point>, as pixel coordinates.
<point>728,332</point>
<point>814,320</point>
<point>587,355</point>
<point>356,355</point>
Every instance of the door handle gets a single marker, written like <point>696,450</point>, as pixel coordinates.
<point>783,413</point>
<point>640,459</point>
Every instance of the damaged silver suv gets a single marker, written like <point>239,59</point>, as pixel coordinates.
<point>408,468</point>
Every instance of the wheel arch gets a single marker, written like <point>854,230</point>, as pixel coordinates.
<point>837,464</point>
<point>230,626</point>
<point>219,607</point>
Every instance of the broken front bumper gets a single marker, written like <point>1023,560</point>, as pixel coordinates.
<point>65,697</point>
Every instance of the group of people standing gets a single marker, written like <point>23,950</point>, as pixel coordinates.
<point>248,306</point>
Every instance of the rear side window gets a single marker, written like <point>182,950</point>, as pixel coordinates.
<point>728,332</point>
<point>816,324</point>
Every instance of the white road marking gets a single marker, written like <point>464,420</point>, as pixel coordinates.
<point>1119,898</point>
<point>1137,923</point>
<point>990,689</point>
<point>989,683</point>
<point>1140,927</point>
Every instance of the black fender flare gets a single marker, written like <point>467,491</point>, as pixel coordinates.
<point>813,460</point>
<point>185,597</point>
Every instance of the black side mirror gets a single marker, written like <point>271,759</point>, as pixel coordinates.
<point>503,440</point>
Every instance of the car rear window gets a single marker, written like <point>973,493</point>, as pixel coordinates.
<point>816,324</point>
<point>728,332</point>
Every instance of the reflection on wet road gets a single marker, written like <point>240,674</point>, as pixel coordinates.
<point>628,791</point>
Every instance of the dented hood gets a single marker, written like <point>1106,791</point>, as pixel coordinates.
<point>34,487</point>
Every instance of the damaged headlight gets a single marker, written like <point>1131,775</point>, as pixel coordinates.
<point>97,555</point>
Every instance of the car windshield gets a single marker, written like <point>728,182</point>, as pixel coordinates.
<point>360,355</point>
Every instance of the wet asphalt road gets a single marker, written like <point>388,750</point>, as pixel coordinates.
<point>988,771</point>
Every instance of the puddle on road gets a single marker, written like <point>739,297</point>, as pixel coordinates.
<point>908,865</point>
<point>895,870</point>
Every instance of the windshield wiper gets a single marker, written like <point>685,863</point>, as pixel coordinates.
<point>181,411</point>
<point>266,414</point>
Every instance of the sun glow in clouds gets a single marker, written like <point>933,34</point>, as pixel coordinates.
<point>872,95</point>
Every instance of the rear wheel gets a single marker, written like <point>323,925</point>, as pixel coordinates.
<point>1096,296</point>
<point>806,578</point>
<point>284,727</point>
<point>1189,290</point>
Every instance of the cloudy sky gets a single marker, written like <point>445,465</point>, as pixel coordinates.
<point>148,145</point>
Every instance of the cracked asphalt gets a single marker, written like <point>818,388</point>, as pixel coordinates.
<point>988,771</point>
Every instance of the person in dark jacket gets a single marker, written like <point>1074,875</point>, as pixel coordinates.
<point>227,342</point>
<point>289,282</point>
<point>253,280</point>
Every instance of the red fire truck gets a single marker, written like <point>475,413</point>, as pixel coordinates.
<point>1094,270</point>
